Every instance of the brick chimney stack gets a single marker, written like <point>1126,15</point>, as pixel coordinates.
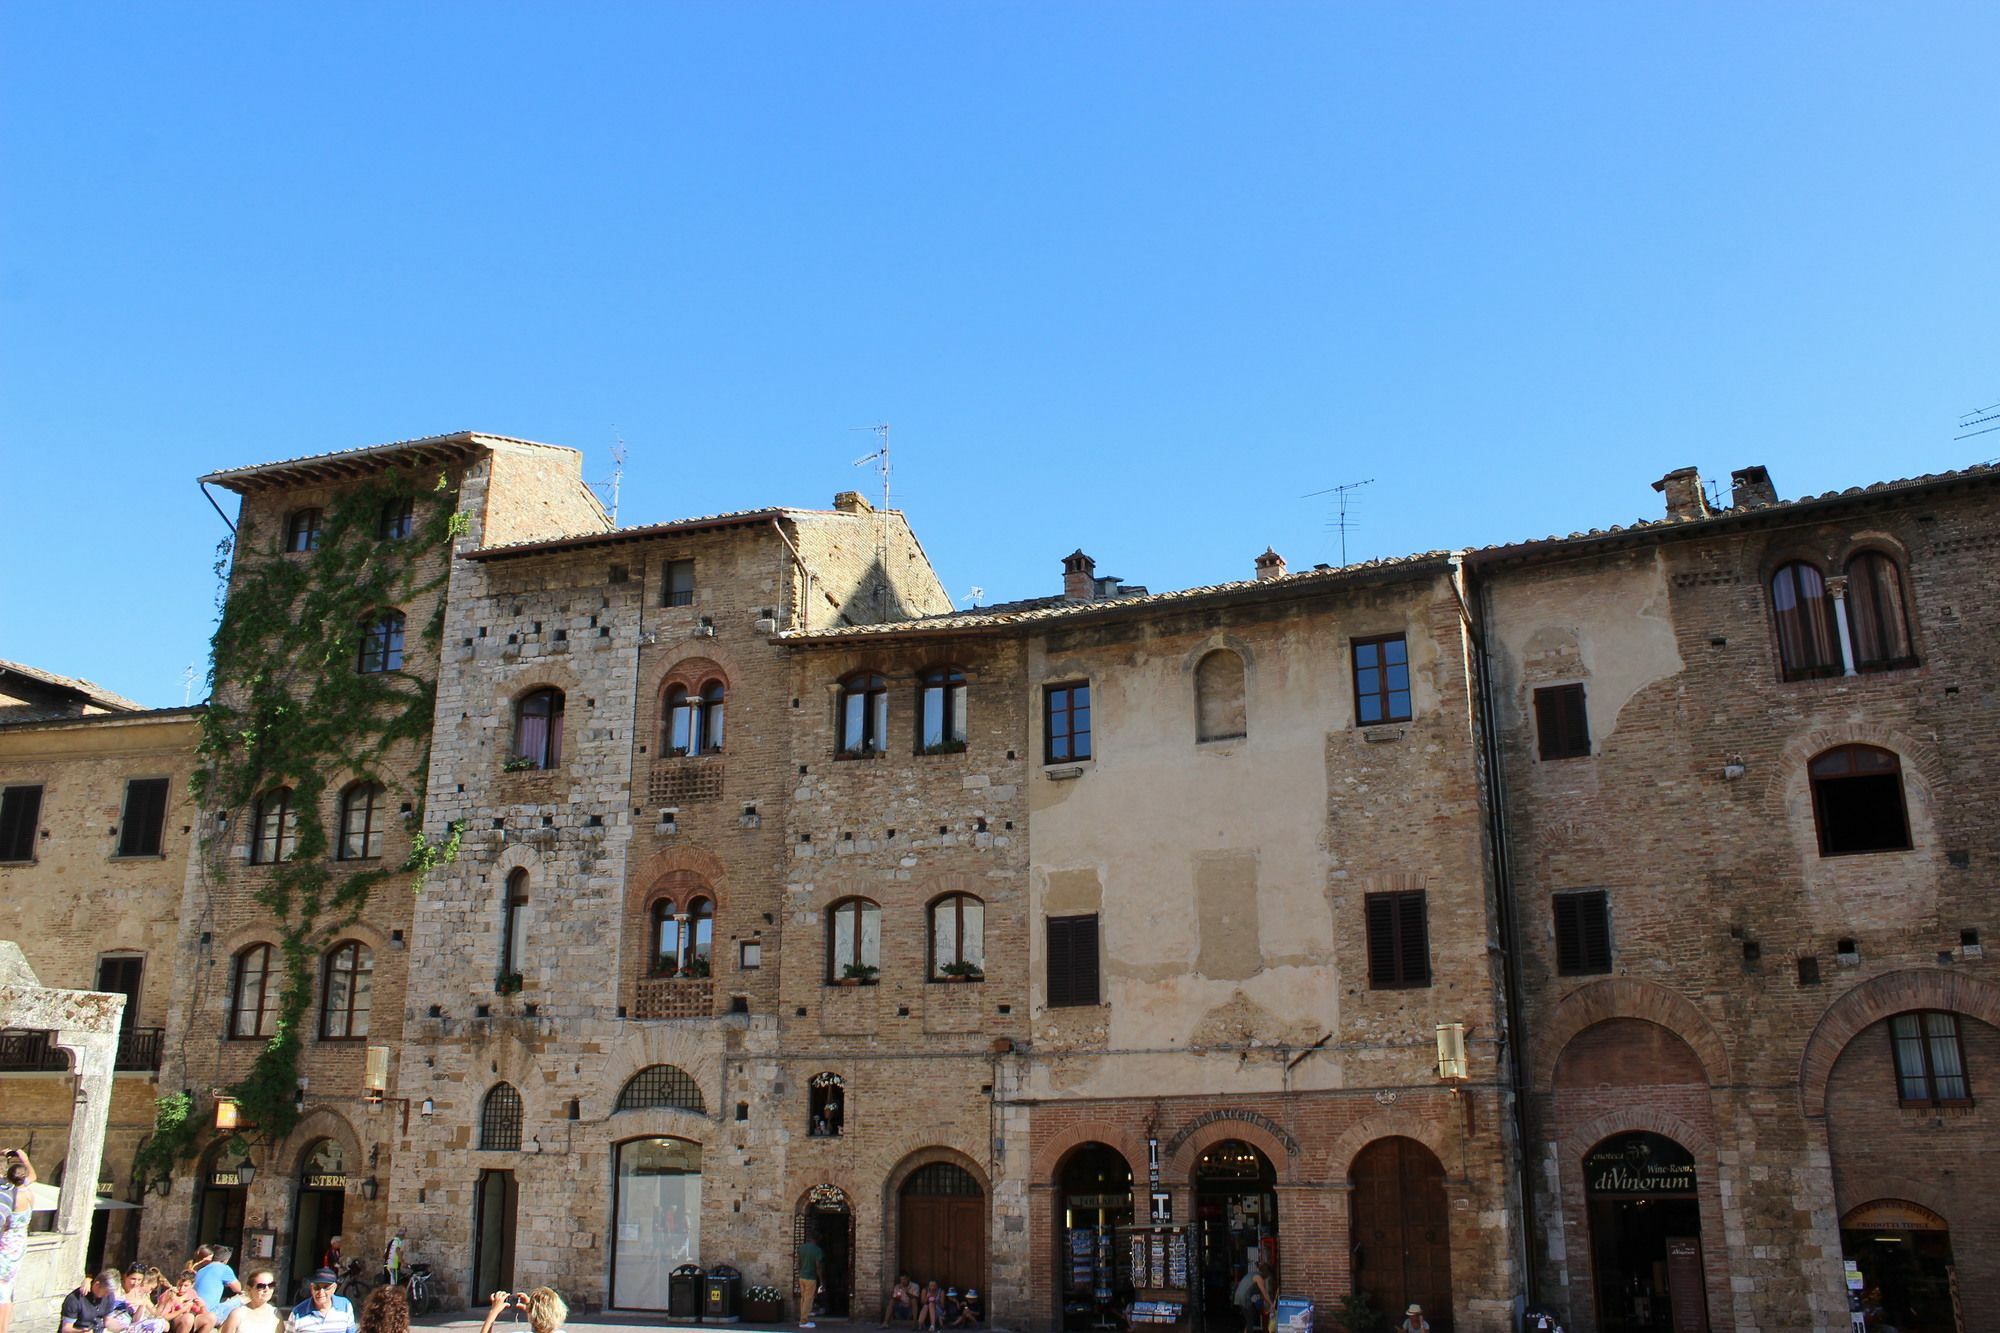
<point>1752,488</point>
<point>852,502</point>
<point>1270,565</point>
<point>1079,577</point>
<point>1684,494</point>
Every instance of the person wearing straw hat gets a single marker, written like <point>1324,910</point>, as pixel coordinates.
<point>1414,1321</point>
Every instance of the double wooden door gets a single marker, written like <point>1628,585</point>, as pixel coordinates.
<point>1402,1230</point>
<point>942,1231</point>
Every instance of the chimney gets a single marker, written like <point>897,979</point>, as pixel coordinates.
<point>1752,488</point>
<point>1079,585</point>
<point>852,502</point>
<point>1270,565</point>
<point>1683,490</point>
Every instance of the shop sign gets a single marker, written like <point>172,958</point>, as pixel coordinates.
<point>327,1180</point>
<point>1098,1200</point>
<point>1639,1164</point>
<point>1163,1206</point>
<point>225,1180</point>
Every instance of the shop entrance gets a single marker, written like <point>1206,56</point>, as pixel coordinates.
<point>317,1211</point>
<point>219,1207</point>
<point>1236,1209</point>
<point>1904,1253</point>
<point>658,1212</point>
<point>1645,1235</point>
<point>941,1227</point>
<point>828,1222</point>
<point>1401,1230</point>
<point>1093,1272</point>
<point>494,1205</point>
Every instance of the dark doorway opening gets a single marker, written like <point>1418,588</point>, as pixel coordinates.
<point>1904,1254</point>
<point>941,1227</point>
<point>118,974</point>
<point>1093,1271</point>
<point>1400,1230</point>
<point>318,1210</point>
<point>828,1222</point>
<point>494,1206</point>
<point>1645,1236</point>
<point>219,1206</point>
<point>1236,1207</point>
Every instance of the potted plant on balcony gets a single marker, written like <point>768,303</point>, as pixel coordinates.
<point>858,974</point>
<point>508,983</point>
<point>945,747</point>
<point>962,972</point>
<point>696,969</point>
<point>517,763</point>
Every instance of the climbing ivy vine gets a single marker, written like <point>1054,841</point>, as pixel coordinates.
<point>289,708</point>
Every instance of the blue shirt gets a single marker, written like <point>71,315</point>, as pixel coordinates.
<point>339,1318</point>
<point>209,1280</point>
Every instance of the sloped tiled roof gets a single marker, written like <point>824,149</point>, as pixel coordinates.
<point>1725,519</point>
<point>344,463</point>
<point>1038,611</point>
<point>644,532</point>
<point>79,690</point>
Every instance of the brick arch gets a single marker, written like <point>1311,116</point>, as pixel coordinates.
<point>651,1044</point>
<point>319,1123</point>
<point>915,1159</point>
<point>541,673</point>
<point>1883,997</point>
<point>840,1180</point>
<point>1622,997</point>
<point>1051,1154</point>
<point>1625,1120</point>
<point>691,858</point>
<point>1394,1123</point>
<point>1180,1167</point>
<point>241,938</point>
<point>691,672</point>
<point>1918,759</point>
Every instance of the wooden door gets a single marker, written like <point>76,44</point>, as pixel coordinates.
<point>942,1230</point>
<point>1401,1229</point>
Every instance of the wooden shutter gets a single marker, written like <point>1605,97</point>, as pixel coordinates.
<point>1561,722</point>
<point>1413,942</point>
<point>1381,939</point>
<point>1072,960</point>
<point>145,817</point>
<point>1583,933</point>
<point>20,813</point>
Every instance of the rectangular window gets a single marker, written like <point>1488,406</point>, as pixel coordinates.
<point>20,815</point>
<point>140,834</point>
<point>1930,1064</point>
<point>1381,680</point>
<point>1399,950</point>
<point>1072,961</point>
<point>1561,722</point>
<point>678,589</point>
<point>1583,933</point>
<point>1066,724</point>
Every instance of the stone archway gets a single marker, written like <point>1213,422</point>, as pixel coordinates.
<point>1883,997</point>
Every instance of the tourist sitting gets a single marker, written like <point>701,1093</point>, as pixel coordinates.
<point>902,1302</point>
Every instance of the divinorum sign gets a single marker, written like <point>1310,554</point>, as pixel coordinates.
<point>1639,1163</point>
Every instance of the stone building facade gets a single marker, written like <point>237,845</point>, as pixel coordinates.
<point>1747,761</point>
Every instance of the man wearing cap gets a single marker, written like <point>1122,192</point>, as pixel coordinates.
<point>1414,1321</point>
<point>322,1311</point>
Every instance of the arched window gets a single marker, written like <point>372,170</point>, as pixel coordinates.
<point>1930,1062</point>
<point>381,643</point>
<point>708,728</point>
<point>1804,613</point>
<point>683,941</point>
<point>253,993</point>
<point>277,828</point>
<point>958,936</point>
<point>538,728</point>
<point>361,822</point>
<point>864,715</point>
<point>302,530</point>
<point>661,1085</point>
<point>1878,620</point>
<point>681,722</point>
<point>1218,697</point>
<point>500,1120</point>
<point>514,899</point>
<point>398,520</point>
<point>853,940</point>
<point>344,993</point>
<point>826,1106</point>
<point>941,711</point>
<point>1857,793</point>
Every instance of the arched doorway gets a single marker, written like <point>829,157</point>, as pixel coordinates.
<point>1236,1208</point>
<point>318,1208</point>
<point>1093,1198</point>
<point>941,1227</point>
<point>1401,1230</point>
<point>1645,1235</point>
<point>828,1221</point>
<point>1903,1253</point>
<point>657,1207</point>
<point>220,1200</point>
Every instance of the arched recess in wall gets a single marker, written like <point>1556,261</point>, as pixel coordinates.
<point>1880,998</point>
<point>1221,697</point>
<point>1622,997</point>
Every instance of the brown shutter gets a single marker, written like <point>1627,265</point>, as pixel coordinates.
<point>1072,975</point>
<point>1583,933</point>
<point>20,812</point>
<point>1596,923</point>
<point>1569,936</point>
<point>1413,944</point>
<point>1381,939</point>
<point>1561,722</point>
<point>145,816</point>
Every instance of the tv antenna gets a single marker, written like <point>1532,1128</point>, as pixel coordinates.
<point>1341,522</point>
<point>880,458</point>
<point>1981,421</point>
<point>187,685</point>
<point>617,471</point>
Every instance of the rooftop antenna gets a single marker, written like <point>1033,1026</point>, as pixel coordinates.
<point>1980,421</point>
<point>977,593</point>
<point>187,685</point>
<point>1340,522</point>
<point>880,458</point>
<point>617,471</point>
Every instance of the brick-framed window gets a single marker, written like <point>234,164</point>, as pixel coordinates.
<point>1072,961</point>
<point>1583,933</point>
<point>538,728</point>
<point>958,936</point>
<point>940,710</point>
<point>302,531</point>
<point>1802,612</point>
<point>346,989</point>
<point>853,940</point>
<point>1878,617</point>
<point>275,828</point>
<point>362,815</point>
<point>1857,793</point>
<point>1561,723</point>
<point>1381,679</point>
<point>253,994</point>
<point>20,816</point>
<point>381,643</point>
<point>1930,1061</point>
<point>1066,732</point>
<point>142,831</point>
<point>1399,949</point>
<point>677,583</point>
<point>863,723</point>
<point>398,520</point>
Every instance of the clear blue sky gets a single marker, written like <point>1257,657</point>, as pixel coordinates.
<point>1127,277</point>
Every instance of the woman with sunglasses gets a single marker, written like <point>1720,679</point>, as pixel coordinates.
<point>257,1314</point>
